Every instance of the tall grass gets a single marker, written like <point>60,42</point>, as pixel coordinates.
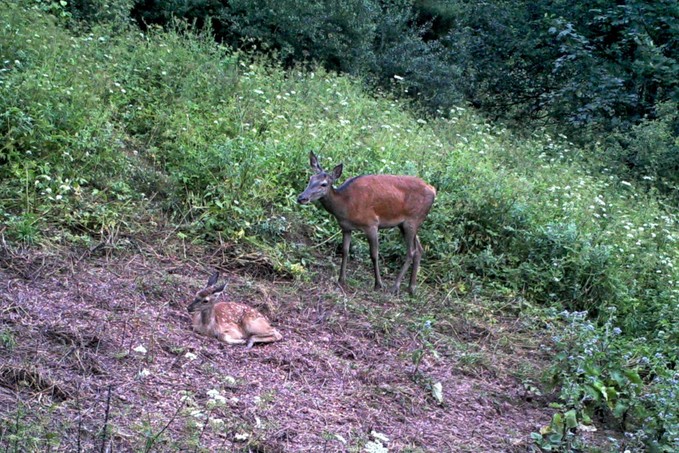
<point>103,129</point>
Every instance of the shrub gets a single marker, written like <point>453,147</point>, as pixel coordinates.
<point>603,375</point>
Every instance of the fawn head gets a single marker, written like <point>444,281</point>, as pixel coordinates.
<point>207,296</point>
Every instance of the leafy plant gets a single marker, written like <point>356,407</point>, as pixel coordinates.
<point>602,377</point>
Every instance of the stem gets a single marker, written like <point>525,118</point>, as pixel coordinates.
<point>108,407</point>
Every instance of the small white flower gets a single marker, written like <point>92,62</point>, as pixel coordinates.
<point>380,436</point>
<point>216,396</point>
<point>140,349</point>
<point>217,422</point>
<point>230,380</point>
<point>375,447</point>
<point>398,77</point>
<point>190,356</point>
<point>242,436</point>
<point>144,373</point>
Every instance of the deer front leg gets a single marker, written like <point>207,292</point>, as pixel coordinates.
<point>346,245</point>
<point>373,240</point>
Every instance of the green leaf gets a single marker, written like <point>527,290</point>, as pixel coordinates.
<point>571,419</point>
<point>592,370</point>
<point>586,418</point>
<point>620,409</point>
<point>633,376</point>
<point>557,424</point>
<point>592,392</point>
<point>611,395</point>
<point>555,438</point>
<point>601,388</point>
<point>618,377</point>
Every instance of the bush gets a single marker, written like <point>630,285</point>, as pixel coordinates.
<point>649,153</point>
<point>94,12</point>
<point>605,376</point>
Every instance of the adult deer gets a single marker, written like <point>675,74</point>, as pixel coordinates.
<point>371,202</point>
<point>229,322</point>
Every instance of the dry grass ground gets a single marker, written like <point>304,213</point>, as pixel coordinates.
<point>97,354</point>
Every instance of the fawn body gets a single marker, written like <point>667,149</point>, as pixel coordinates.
<point>229,322</point>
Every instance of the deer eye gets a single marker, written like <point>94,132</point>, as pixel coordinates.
<point>324,184</point>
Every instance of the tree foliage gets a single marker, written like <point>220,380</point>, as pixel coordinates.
<point>597,64</point>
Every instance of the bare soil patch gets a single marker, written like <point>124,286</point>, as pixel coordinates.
<point>97,349</point>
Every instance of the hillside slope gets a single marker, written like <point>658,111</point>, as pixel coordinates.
<point>99,355</point>
<point>134,163</point>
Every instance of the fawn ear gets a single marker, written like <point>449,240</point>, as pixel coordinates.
<point>313,161</point>
<point>213,279</point>
<point>219,289</point>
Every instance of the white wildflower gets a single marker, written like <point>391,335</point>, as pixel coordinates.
<point>380,436</point>
<point>216,396</point>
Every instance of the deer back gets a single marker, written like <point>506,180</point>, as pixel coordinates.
<point>387,200</point>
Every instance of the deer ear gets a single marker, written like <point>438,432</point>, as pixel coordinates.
<point>219,289</point>
<point>213,279</point>
<point>337,172</point>
<point>313,161</point>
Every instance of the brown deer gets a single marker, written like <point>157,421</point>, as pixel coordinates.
<point>229,322</point>
<point>371,202</point>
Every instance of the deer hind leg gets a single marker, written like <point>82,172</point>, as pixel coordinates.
<point>416,265</point>
<point>231,336</point>
<point>410,238</point>
<point>373,240</point>
<point>269,338</point>
<point>229,340</point>
<point>260,331</point>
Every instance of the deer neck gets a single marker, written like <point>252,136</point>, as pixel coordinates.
<point>207,315</point>
<point>333,203</point>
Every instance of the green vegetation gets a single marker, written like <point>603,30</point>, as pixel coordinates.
<point>110,132</point>
<point>600,69</point>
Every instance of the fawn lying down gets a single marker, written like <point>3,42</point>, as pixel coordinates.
<point>229,322</point>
